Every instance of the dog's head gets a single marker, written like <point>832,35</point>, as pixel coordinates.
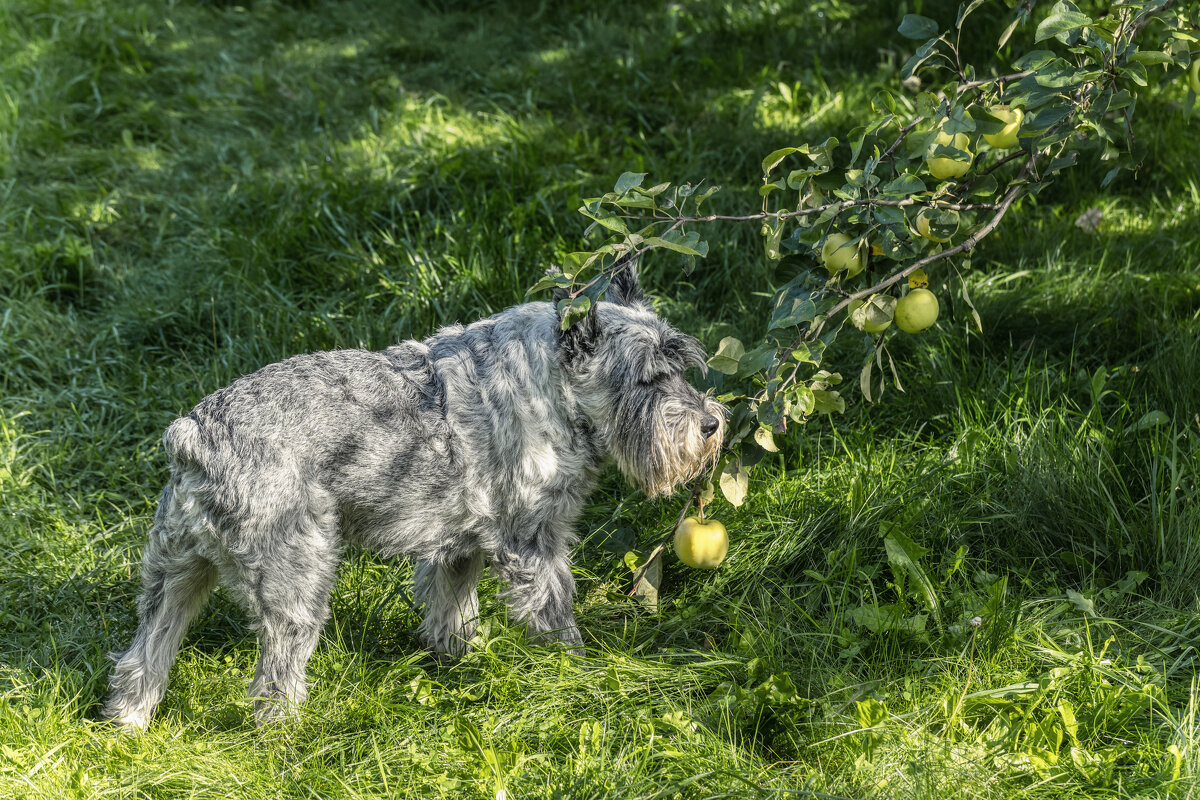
<point>629,367</point>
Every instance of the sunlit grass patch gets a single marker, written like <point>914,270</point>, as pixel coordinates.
<point>983,586</point>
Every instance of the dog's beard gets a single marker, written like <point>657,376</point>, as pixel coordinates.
<point>664,448</point>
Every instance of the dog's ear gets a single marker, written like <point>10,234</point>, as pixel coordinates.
<point>579,340</point>
<point>625,288</point>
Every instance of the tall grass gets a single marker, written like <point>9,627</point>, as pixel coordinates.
<point>984,586</point>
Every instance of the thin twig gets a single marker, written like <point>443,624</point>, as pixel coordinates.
<point>1002,162</point>
<point>1016,76</point>
<point>818,210</point>
<point>656,552</point>
<point>907,129</point>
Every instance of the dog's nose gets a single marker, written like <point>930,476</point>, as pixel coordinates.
<point>709,425</point>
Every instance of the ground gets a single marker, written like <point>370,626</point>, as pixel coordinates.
<point>190,190</point>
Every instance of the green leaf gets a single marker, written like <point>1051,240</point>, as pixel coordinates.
<point>757,360</point>
<point>963,11</point>
<point>796,177</point>
<point>888,215</point>
<point>615,224</point>
<point>1136,72</point>
<point>864,379</point>
<point>918,58</point>
<point>870,713</point>
<point>618,541</point>
<point>824,377</point>
<point>646,590</point>
<point>827,401</point>
<point>772,161</point>
<point>687,243</point>
<point>707,193</point>
<point>629,180</point>
<point>881,619</point>
<point>823,154</point>
<point>735,482</point>
<point>596,287</point>
<point>772,236</point>
<point>1151,419</point>
<point>903,186</point>
<point>1062,162</point>
<point>1034,60</point>
<point>809,353</point>
<point>764,439</point>
<point>1084,604</point>
<point>728,354</point>
<point>1059,23</point>
<point>928,104</point>
<point>801,403</point>
<point>635,199</point>
<point>770,415</point>
<point>914,26</point>
<point>1151,57</point>
<point>572,311</point>
<point>971,307</point>
<point>904,555</point>
<point>792,309</point>
<point>556,280</point>
<point>984,186</point>
<point>1008,32</point>
<point>773,186</point>
<point>777,690</point>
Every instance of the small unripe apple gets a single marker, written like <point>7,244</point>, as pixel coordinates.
<point>925,217</point>
<point>839,253</point>
<point>1194,76</point>
<point>867,326</point>
<point>916,311</point>
<point>1007,137</point>
<point>942,167</point>
<point>701,543</point>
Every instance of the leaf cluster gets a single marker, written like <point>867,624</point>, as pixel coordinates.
<point>899,202</point>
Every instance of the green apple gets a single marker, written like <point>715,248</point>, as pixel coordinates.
<point>1007,137</point>
<point>839,253</point>
<point>1194,76</point>
<point>701,543</point>
<point>916,311</point>
<point>927,217</point>
<point>867,326</point>
<point>943,167</point>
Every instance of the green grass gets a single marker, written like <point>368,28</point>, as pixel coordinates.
<point>191,190</point>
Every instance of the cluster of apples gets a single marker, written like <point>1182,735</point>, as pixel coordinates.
<point>918,309</point>
<point>944,167</point>
<point>703,543</point>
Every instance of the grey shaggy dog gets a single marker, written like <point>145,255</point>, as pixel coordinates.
<point>474,447</point>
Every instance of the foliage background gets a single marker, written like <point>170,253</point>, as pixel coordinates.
<point>191,190</point>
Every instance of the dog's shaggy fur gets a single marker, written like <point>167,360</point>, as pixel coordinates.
<point>474,447</point>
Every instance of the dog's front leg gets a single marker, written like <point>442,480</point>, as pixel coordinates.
<point>451,603</point>
<point>540,586</point>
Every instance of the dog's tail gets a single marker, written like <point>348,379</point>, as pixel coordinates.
<point>185,442</point>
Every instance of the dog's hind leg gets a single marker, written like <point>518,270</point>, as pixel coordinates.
<point>451,612</point>
<point>176,581</point>
<point>286,593</point>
